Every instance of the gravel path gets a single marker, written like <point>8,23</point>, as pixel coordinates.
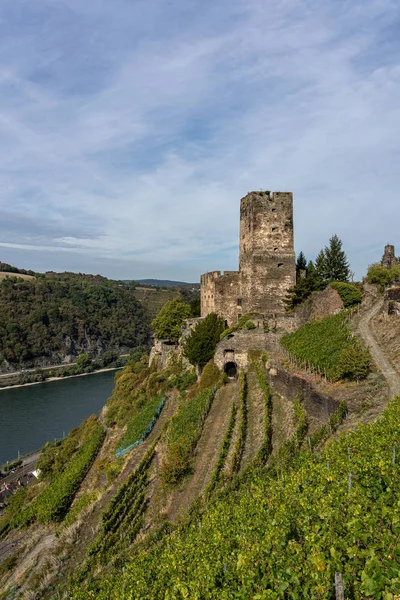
<point>379,357</point>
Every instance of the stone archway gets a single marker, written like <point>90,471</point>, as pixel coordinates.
<point>230,369</point>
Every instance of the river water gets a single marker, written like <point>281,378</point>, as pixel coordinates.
<point>32,415</point>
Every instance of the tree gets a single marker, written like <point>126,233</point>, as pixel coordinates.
<point>200,345</point>
<point>301,264</point>
<point>310,267</point>
<point>195,307</point>
<point>354,362</point>
<point>336,265</point>
<point>167,324</point>
<point>83,361</point>
<point>320,265</point>
<point>381,275</point>
<point>303,289</point>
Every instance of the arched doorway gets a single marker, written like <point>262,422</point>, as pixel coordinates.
<point>230,369</point>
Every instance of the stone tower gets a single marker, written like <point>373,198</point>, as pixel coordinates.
<point>389,259</point>
<point>266,261</point>
<point>267,258</point>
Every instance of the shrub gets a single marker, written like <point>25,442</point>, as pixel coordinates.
<point>354,361</point>
<point>244,322</point>
<point>381,276</point>
<point>82,361</point>
<point>210,376</point>
<point>350,294</point>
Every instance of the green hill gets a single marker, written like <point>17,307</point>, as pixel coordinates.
<point>47,317</point>
<point>214,487</point>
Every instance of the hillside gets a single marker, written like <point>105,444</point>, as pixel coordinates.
<point>251,487</point>
<point>48,318</point>
<point>167,283</point>
<point>153,299</point>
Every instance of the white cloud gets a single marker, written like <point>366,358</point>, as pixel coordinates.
<point>130,132</point>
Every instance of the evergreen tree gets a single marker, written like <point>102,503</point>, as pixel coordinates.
<point>336,266</point>
<point>200,345</point>
<point>310,268</point>
<point>304,288</point>
<point>301,263</point>
<point>320,265</point>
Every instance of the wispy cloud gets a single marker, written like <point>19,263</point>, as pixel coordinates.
<point>129,131</point>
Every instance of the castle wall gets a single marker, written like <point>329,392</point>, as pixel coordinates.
<point>318,406</point>
<point>207,292</point>
<point>220,293</point>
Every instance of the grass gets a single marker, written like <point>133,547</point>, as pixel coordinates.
<point>139,424</point>
<point>4,274</point>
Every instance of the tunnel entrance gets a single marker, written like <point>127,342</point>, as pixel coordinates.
<point>230,369</point>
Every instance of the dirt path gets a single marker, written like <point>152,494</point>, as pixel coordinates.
<point>255,419</point>
<point>207,450</point>
<point>379,357</point>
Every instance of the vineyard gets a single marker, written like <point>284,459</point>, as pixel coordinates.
<point>284,532</point>
<point>140,425</point>
<point>121,520</point>
<point>240,442</point>
<point>226,442</point>
<point>266,447</point>
<point>329,347</point>
<point>183,434</point>
<point>53,502</point>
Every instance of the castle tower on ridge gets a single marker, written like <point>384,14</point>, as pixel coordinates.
<point>389,258</point>
<point>266,261</point>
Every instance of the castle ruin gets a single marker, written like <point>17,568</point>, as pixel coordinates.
<point>389,258</point>
<point>267,266</point>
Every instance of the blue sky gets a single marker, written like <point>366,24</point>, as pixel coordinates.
<point>129,130</point>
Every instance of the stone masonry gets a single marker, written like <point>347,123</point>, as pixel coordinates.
<point>389,258</point>
<point>266,261</point>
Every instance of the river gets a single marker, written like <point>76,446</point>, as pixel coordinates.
<point>32,415</point>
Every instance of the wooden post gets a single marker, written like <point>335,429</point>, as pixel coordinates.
<point>339,586</point>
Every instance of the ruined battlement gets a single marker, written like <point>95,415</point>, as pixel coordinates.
<point>266,261</point>
<point>389,258</point>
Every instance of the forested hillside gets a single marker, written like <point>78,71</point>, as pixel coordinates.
<point>48,317</point>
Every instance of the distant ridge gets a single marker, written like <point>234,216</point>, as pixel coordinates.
<point>165,283</point>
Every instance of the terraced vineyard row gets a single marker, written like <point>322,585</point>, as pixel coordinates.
<point>285,535</point>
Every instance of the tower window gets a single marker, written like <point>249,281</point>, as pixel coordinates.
<point>273,209</point>
<point>239,302</point>
<point>275,249</point>
<point>280,265</point>
<point>275,229</point>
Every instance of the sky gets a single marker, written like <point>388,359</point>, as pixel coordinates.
<point>130,129</point>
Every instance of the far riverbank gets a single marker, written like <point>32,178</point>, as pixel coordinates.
<point>49,379</point>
